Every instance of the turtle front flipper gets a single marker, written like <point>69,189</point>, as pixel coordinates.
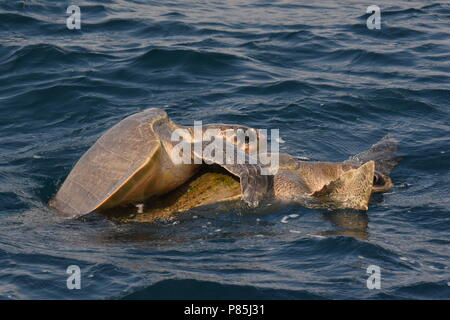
<point>254,184</point>
<point>351,190</point>
<point>383,153</point>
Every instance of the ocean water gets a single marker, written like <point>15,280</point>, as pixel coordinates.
<point>311,69</point>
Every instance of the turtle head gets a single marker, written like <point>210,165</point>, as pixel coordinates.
<point>243,137</point>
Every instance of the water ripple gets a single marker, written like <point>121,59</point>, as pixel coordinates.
<point>314,71</point>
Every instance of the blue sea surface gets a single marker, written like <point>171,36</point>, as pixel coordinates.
<point>311,69</point>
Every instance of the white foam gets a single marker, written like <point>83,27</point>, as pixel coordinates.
<point>286,218</point>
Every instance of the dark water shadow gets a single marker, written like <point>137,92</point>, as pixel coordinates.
<point>350,223</point>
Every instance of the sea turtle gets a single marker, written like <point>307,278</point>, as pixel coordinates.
<point>133,161</point>
<point>314,184</point>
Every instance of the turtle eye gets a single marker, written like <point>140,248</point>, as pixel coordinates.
<point>247,139</point>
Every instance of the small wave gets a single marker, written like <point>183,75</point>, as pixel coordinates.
<point>435,6</point>
<point>363,56</point>
<point>422,290</point>
<point>14,20</point>
<point>387,31</point>
<point>115,25</point>
<point>190,60</point>
<point>195,289</point>
<point>46,57</point>
<point>409,12</point>
<point>167,29</point>
<point>174,14</point>
<point>293,86</point>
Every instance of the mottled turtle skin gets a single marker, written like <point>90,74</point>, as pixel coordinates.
<point>130,162</point>
<point>314,184</point>
<point>350,188</point>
